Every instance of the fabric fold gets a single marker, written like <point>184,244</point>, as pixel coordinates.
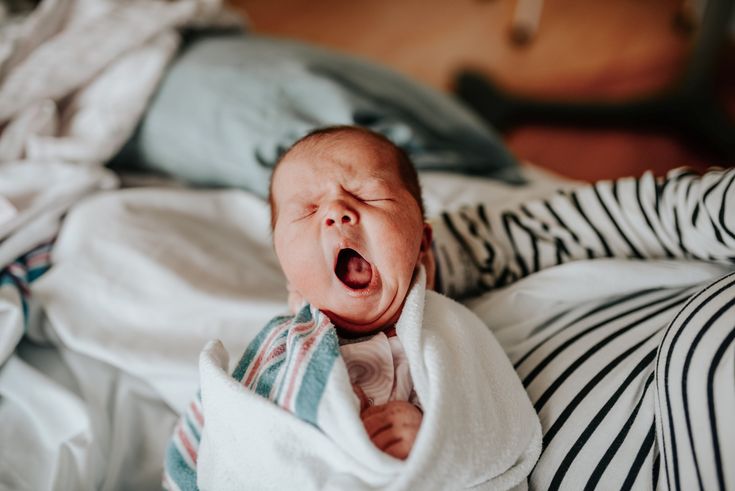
<point>479,428</point>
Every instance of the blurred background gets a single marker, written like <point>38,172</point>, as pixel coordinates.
<point>556,50</point>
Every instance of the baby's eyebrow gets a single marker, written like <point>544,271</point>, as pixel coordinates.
<point>301,195</point>
<point>296,202</point>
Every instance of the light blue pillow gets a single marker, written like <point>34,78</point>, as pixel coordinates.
<point>230,104</point>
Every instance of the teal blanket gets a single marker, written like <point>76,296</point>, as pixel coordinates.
<point>230,104</point>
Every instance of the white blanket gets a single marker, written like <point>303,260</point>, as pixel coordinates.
<point>75,78</point>
<point>479,428</point>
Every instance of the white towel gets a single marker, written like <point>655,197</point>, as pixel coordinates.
<point>479,428</point>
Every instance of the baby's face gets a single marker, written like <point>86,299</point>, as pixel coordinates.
<point>347,233</point>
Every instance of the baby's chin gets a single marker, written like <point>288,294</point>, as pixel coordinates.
<point>356,326</point>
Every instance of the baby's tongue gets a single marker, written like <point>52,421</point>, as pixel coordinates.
<point>353,269</point>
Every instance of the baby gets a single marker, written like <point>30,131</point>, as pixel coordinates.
<point>349,232</point>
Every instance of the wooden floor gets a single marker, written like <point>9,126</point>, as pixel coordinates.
<point>611,49</point>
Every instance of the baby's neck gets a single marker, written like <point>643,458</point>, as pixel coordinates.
<point>389,330</point>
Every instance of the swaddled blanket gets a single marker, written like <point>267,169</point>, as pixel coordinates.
<point>478,429</point>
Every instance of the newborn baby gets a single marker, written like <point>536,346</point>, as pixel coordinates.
<point>349,232</point>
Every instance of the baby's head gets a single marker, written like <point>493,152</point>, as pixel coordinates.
<point>348,225</point>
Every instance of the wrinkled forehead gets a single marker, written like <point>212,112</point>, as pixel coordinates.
<point>347,158</point>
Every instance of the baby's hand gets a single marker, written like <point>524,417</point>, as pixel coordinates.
<point>393,427</point>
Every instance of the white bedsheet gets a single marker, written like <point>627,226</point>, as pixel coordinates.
<point>142,278</point>
<point>75,77</point>
<point>76,423</point>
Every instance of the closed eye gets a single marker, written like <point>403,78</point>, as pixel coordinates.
<point>306,214</point>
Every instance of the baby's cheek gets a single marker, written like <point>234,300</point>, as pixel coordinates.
<point>309,277</point>
<point>301,277</point>
<point>406,246</point>
<point>290,260</point>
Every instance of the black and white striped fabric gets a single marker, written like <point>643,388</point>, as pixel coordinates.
<point>634,391</point>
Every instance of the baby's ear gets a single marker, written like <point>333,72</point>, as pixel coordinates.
<point>426,256</point>
<point>427,236</point>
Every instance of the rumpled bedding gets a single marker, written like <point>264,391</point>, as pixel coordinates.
<point>75,77</point>
<point>98,354</point>
<point>66,109</point>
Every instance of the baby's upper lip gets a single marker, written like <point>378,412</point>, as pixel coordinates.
<point>344,244</point>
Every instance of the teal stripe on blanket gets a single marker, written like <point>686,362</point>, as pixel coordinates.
<point>178,471</point>
<point>255,345</point>
<point>266,380</point>
<point>302,318</point>
<point>303,315</point>
<point>316,377</point>
<point>194,429</point>
<point>25,270</point>
<point>312,348</point>
<point>290,360</point>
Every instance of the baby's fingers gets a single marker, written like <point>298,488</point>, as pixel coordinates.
<point>393,427</point>
<point>392,410</point>
<point>397,440</point>
<point>379,418</point>
<point>364,401</point>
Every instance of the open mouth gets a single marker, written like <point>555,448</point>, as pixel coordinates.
<point>353,270</point>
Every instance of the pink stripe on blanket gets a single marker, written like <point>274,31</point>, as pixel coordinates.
<point>264,348</point>
<point>184,439</point>
<point>304,354</point>
<point>34,260</point>
<point>276,353</point>
<point>282,348</point>
<point>194,406</point>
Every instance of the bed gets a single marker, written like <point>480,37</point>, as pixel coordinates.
<point>114,277</point>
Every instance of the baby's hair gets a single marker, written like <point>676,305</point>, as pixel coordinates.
<point>406,169</point>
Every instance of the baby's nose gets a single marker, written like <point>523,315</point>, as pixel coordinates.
<point>340,213</point>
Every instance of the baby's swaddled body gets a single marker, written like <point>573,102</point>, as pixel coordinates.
<point>288,416</point>
<point>377,365</point>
